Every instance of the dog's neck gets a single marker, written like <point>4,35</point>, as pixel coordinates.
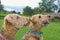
<point>9,31</point>
<point>36,27</point>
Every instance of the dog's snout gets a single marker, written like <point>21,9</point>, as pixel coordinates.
<point>45,22</point>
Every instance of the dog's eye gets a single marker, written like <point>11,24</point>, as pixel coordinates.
<point>17,17</point>
<point>49,16</point>
<point>11,17</point>
<point>39,16</point>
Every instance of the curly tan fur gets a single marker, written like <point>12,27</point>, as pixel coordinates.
<point>37,22</point>
<point>12,23</point>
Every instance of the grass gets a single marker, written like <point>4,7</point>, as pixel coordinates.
<point>52,32</point>
<point>1,23</point>
<point>3,13</point>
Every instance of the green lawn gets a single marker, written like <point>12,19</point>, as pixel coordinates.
<point>1,23</point>
<point>52,32</point>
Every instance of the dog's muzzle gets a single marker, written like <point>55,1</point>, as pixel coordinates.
<point>45,23</point>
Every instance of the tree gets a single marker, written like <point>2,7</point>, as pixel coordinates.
<point>59,10</point>
<point>13,11</point>
<point>18,12</point>
<point>27,11</point>
<point>1,6</point>
<point>47,6</point>
<point>36,10</point>
<point>58,5</point>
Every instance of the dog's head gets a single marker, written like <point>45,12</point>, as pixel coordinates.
<point>16,20</point>
<point>40,19</point>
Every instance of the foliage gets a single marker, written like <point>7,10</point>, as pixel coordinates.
<point>1,6</point>
<point>27,11</point>
<point>47,6</point>
<point>59,10</point>
<point>18,12</point>
<point>36,10</point>
<point>13,11</point>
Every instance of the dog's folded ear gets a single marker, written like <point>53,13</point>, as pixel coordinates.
<point>7,22</point>
<point>32,19</point>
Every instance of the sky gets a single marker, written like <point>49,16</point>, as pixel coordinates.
<point>18,5</point>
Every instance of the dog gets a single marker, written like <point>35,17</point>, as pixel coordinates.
<point>37,22</point>
<point>12,23</point>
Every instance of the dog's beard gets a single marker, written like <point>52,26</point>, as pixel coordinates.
<point>44,24</point>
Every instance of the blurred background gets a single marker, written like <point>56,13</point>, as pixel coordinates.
<point>30,7</point>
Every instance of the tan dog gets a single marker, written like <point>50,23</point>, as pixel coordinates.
<point>12,23</point>
<point>37,22</point>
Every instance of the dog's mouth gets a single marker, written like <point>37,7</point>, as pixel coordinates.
<point>45,23</point>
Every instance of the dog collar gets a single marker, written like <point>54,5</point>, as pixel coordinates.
<point>35,32</point>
